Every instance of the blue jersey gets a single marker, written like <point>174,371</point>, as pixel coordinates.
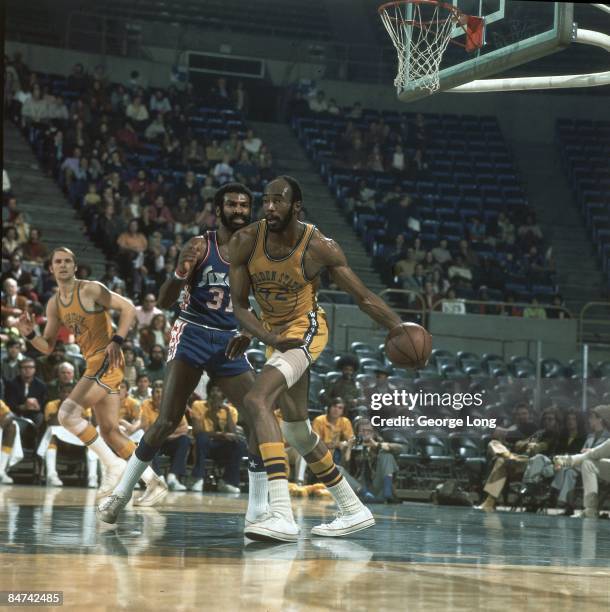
<point>206,297</point>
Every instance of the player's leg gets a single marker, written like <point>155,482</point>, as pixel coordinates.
<point>235,389</point>
<point>258,404</point>
<point>107,417</point>
<point>8,426</point>
<point>181,378</point>
<point>88,392</point>
<point>353,514</point>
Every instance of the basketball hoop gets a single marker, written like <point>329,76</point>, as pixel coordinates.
<point>421,31</point>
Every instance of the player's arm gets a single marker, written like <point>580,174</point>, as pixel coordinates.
<point>330,255</point>
<point>110,300</point>
<point>190,255</point>
<point>45,343</point>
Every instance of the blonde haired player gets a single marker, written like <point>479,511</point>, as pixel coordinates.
<point>280,259</point>
<point>82,306</point>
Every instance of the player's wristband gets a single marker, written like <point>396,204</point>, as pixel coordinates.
<point>118,339</point>
<point>31,336</point>
<point>179,277</point>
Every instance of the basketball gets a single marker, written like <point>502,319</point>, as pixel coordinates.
<point>408,345</point>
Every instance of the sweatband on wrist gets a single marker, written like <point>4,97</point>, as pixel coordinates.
<point>118,339</point>
<point>31,336</point>
<point>178,276</point>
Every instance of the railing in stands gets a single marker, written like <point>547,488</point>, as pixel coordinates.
<point>594,323</point>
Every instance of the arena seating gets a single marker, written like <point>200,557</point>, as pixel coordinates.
<point>585,148</point>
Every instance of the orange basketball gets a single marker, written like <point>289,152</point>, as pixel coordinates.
<point>408,345</point>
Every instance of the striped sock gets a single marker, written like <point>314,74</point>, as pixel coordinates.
<point>274,459</point>
<point>88,436</point>
<point>326,470</point>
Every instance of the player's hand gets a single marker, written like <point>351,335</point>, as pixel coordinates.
<point>237,346</point>
<point>115,356</point>
<point>25,324</point>
<point>190,254</point>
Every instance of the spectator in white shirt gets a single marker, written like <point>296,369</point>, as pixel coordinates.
<point>159,103</point>
<point>318,104</point>
<point>223,172</point>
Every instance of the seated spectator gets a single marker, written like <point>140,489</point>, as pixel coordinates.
<point>429,264</point>
<point>371,464</point>
<point>522,426</point>
<point>460,271</point>
<point>214,152</point>
<point>26,395</point>
<point>12,359</point>
<point>356,157</point>
<point>156,363</point>
<point>112,280</point>
<point>22,227</point>
<point>159,103</point>
<point>13,304</point>
<point>206,219</point>
<point>133,367</point>
<point>184,217</point>
<point>441,253</point>
<point>318,104</point>
<point>557,312</point>
<point>128,137</point>
<point>177,445</point>
<point>214,426</point>
<point>507,464</point>
<point>129,414</point>
<point>51,411</point>
<point>142,390</point>
<point>416,281</point>
<point>398,160</point>
<point>157,333</point>
<point>109,228</point>
<point>334,429</point>
<point>34,249</point>
<point>564,482</point>
<point>156,130</point>
<point>188,189</point>
<point>147,310</point>
<point>10,241</point>
<point>193,154</point>
<point>9,430</point>
<point>506,230</point>
<point>346,387</point>
<point>137,112</point>
<point>161,216</point>
<point>231,146</point>
<point>398,218</point>
<point>375,161</point>
<point>208,190</point>
<point>594,464</point>
<point>535,311</point>
<point>251,143</point>
<point>246,171</point>
<point>223,172</point>
<point>64,375</point>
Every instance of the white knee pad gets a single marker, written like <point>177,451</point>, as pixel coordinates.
<point>71,417</point>
<point>292,364</point>
<point>300,436</point>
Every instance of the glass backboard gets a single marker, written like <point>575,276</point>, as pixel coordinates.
<point>515,33</point>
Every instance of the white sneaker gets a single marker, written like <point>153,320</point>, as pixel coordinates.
<point>155,492</point>
<point>197,485</point>
<point>274,528</point>
<point>5,478</point>
<point>174,484</point>
<point>256,519</point>
<point>225,487</point>
<point>110,508</point>
<point>54,481</point>
<point>110,478</point>
<point>345,524</point>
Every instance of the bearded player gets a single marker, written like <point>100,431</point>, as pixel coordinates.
<point>204,337</point>
<point>83,307</point>
<point>280,259</point>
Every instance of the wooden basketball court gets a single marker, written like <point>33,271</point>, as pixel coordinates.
<point>191,554</point>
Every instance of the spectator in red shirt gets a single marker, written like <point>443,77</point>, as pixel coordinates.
<point>161,216</point>
<point>34,249</point>
<point>127,136</point>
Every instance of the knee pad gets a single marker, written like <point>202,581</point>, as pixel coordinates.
<point>300,436</point>
<point>292,364</point>
<point>71,417</point>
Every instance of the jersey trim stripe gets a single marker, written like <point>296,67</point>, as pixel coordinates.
<point>313,229</point>
<point>218,249</point>
<point>294,250</point>
<point>220,329</point>
<point>258,231</point>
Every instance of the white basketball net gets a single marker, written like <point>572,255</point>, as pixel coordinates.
<point>420,38</point>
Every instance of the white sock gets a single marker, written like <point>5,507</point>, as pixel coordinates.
<point>148,475</point>
<point>4,457</point>
<point>133,472</point>
<point>91,466</point>
<point>279,498</point>
<point>258,496</point>
<point>105,454</point>
<point>50,460</point>
<point>345,497</point>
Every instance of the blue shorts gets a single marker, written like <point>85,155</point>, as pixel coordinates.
<point>204,348</point>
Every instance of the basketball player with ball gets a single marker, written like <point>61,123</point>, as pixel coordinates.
<point>280,259</point>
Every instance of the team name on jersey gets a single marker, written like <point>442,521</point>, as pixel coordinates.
<point>281,278</point>
<point>212,278</point>
<point>75,322</point>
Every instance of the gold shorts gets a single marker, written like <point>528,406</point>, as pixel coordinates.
<point>312,328</point>
<point>98,369</point>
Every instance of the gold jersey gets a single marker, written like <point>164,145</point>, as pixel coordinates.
<point>281,288</point>
<point>92,329</point>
